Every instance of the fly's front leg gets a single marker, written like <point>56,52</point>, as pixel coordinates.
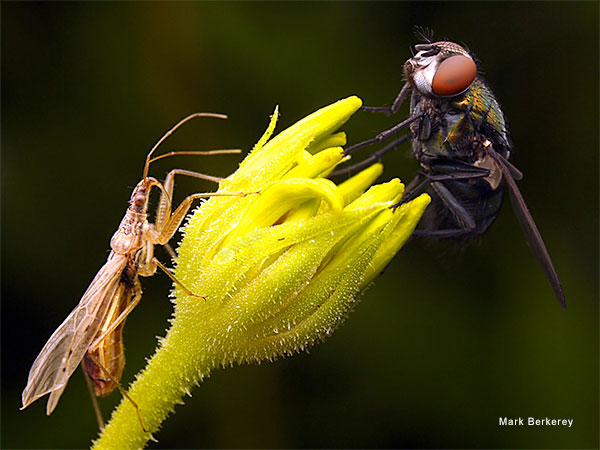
<point>383,135</point>
<point>388,110</point>
<point>377,156</point>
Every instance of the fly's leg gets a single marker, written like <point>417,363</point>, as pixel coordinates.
<point>422,180</point>
<point>383,135</point>
<point>463,218</point>
<point>371,159</point>
<point>120,388</point>
<point>448,233</point>
<point>95,405</point>
<point>465,221</point>
<point>389,110</point>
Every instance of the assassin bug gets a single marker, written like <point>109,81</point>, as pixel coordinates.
<point>92,333</point>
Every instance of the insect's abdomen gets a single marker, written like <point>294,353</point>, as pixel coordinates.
<point>111,355</point>
<point>109,352</point>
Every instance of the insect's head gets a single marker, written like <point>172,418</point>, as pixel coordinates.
<point>440,69</point>
<point>139,197</point>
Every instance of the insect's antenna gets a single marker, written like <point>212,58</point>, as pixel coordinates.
<point>228,151</point>
<point>168,133</point>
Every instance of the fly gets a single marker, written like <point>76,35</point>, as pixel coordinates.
<point>92,332</point>
<point>460,139</point>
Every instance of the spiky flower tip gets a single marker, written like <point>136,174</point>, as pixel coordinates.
<point>279,270</point>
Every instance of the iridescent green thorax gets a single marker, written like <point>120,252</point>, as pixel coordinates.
<point>454,128</point>
<point>482,104</point>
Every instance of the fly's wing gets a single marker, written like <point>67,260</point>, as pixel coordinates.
<point>66,347</point>
<point>532,234</point>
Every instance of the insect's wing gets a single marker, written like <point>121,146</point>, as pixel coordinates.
<point>66,347</point>
<point>532,234</point>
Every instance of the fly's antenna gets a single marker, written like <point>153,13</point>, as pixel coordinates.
<point>423,33</point>
<point>168,133</point>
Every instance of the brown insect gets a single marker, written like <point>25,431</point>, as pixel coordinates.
<point>93,330</point>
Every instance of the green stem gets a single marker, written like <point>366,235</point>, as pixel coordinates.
<point>156,396</point>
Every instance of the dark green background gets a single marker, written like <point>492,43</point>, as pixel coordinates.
<point>440,347</point>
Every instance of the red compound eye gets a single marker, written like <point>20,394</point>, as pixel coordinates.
<point>139,200</point>
<point>454,75</point>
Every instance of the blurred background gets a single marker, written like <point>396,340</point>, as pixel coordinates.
<point>440,347</point>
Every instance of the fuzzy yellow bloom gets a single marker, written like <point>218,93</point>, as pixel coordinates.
<point>279,270</point>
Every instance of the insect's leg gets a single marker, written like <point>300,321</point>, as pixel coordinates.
<point>95,405</point>
<point>156,263</point>
<point>371,159</point>
<point>465,221</point>
<point>120,388</point>
<point>148,265</point>
<point>383,135</point>
<point>414,187</point>
<point>463,218</point>
<point>422,179</point>
<point>163,211</point>
<point>136,299</point>
<point>448,233</point>
<point>395,106</point>
<point>165,230</point>
<point>170,251</point>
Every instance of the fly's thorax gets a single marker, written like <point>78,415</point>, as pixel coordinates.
<point>443,131</point>
<point>483,108</point>
<point>456,127</point>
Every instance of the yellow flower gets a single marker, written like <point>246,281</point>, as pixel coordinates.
<point>279,270</point>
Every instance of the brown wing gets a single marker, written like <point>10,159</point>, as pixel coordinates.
<point>66,347</point>
<point>532,234</point>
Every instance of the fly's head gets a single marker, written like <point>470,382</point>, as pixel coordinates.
<point>440,69</point>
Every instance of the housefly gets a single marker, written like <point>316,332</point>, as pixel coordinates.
<point>460,140</point>
<point>92,333</point>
